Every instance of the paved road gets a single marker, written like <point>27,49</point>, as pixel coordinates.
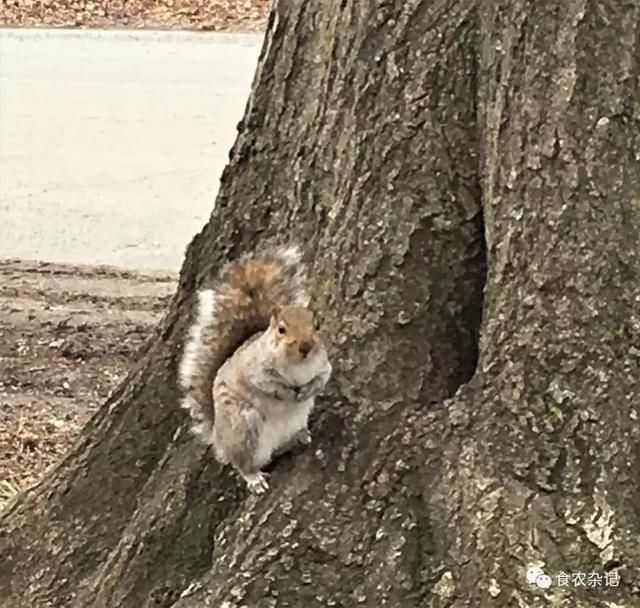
<point>112,143</point>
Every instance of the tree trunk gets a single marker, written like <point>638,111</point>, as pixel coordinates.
<point>554,480</point>
<point>465,437</point>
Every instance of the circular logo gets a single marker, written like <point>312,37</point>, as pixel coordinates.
<point>533,573</point>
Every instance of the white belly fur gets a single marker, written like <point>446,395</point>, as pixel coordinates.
<point>282,420</point>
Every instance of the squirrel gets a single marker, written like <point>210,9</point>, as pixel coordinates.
<point>253,362</point>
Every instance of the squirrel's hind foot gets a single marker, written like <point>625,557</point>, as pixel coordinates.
<point>303,437</point>
<point>257,482</point>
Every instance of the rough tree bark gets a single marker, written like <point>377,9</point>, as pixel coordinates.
<point>483,417</point>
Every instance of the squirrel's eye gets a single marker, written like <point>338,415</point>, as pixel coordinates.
<point>282,330</point>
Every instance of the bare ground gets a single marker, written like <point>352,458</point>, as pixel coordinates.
<point>67,337</point>
<point>227,15</point>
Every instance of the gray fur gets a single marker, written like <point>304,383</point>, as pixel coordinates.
<point>262,399</point>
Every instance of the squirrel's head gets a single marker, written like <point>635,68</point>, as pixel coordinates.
<point>296,332</point>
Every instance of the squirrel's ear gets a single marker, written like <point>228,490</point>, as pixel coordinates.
<point>305,301</point>
<point>275,315</point>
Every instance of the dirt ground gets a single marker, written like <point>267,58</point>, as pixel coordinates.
<point>67,337</point>
<point>216,15</point>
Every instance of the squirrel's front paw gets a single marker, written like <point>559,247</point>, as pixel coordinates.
<point>284,393</point>
<point>303,394</point>
<point>310,389</point>
<point>257,483</point>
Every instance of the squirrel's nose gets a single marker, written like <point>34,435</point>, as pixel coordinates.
<point>305,348</point>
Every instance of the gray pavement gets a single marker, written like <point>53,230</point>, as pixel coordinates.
<point>112,143</point>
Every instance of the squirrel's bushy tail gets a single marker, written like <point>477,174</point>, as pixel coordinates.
<point>238,306</point>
